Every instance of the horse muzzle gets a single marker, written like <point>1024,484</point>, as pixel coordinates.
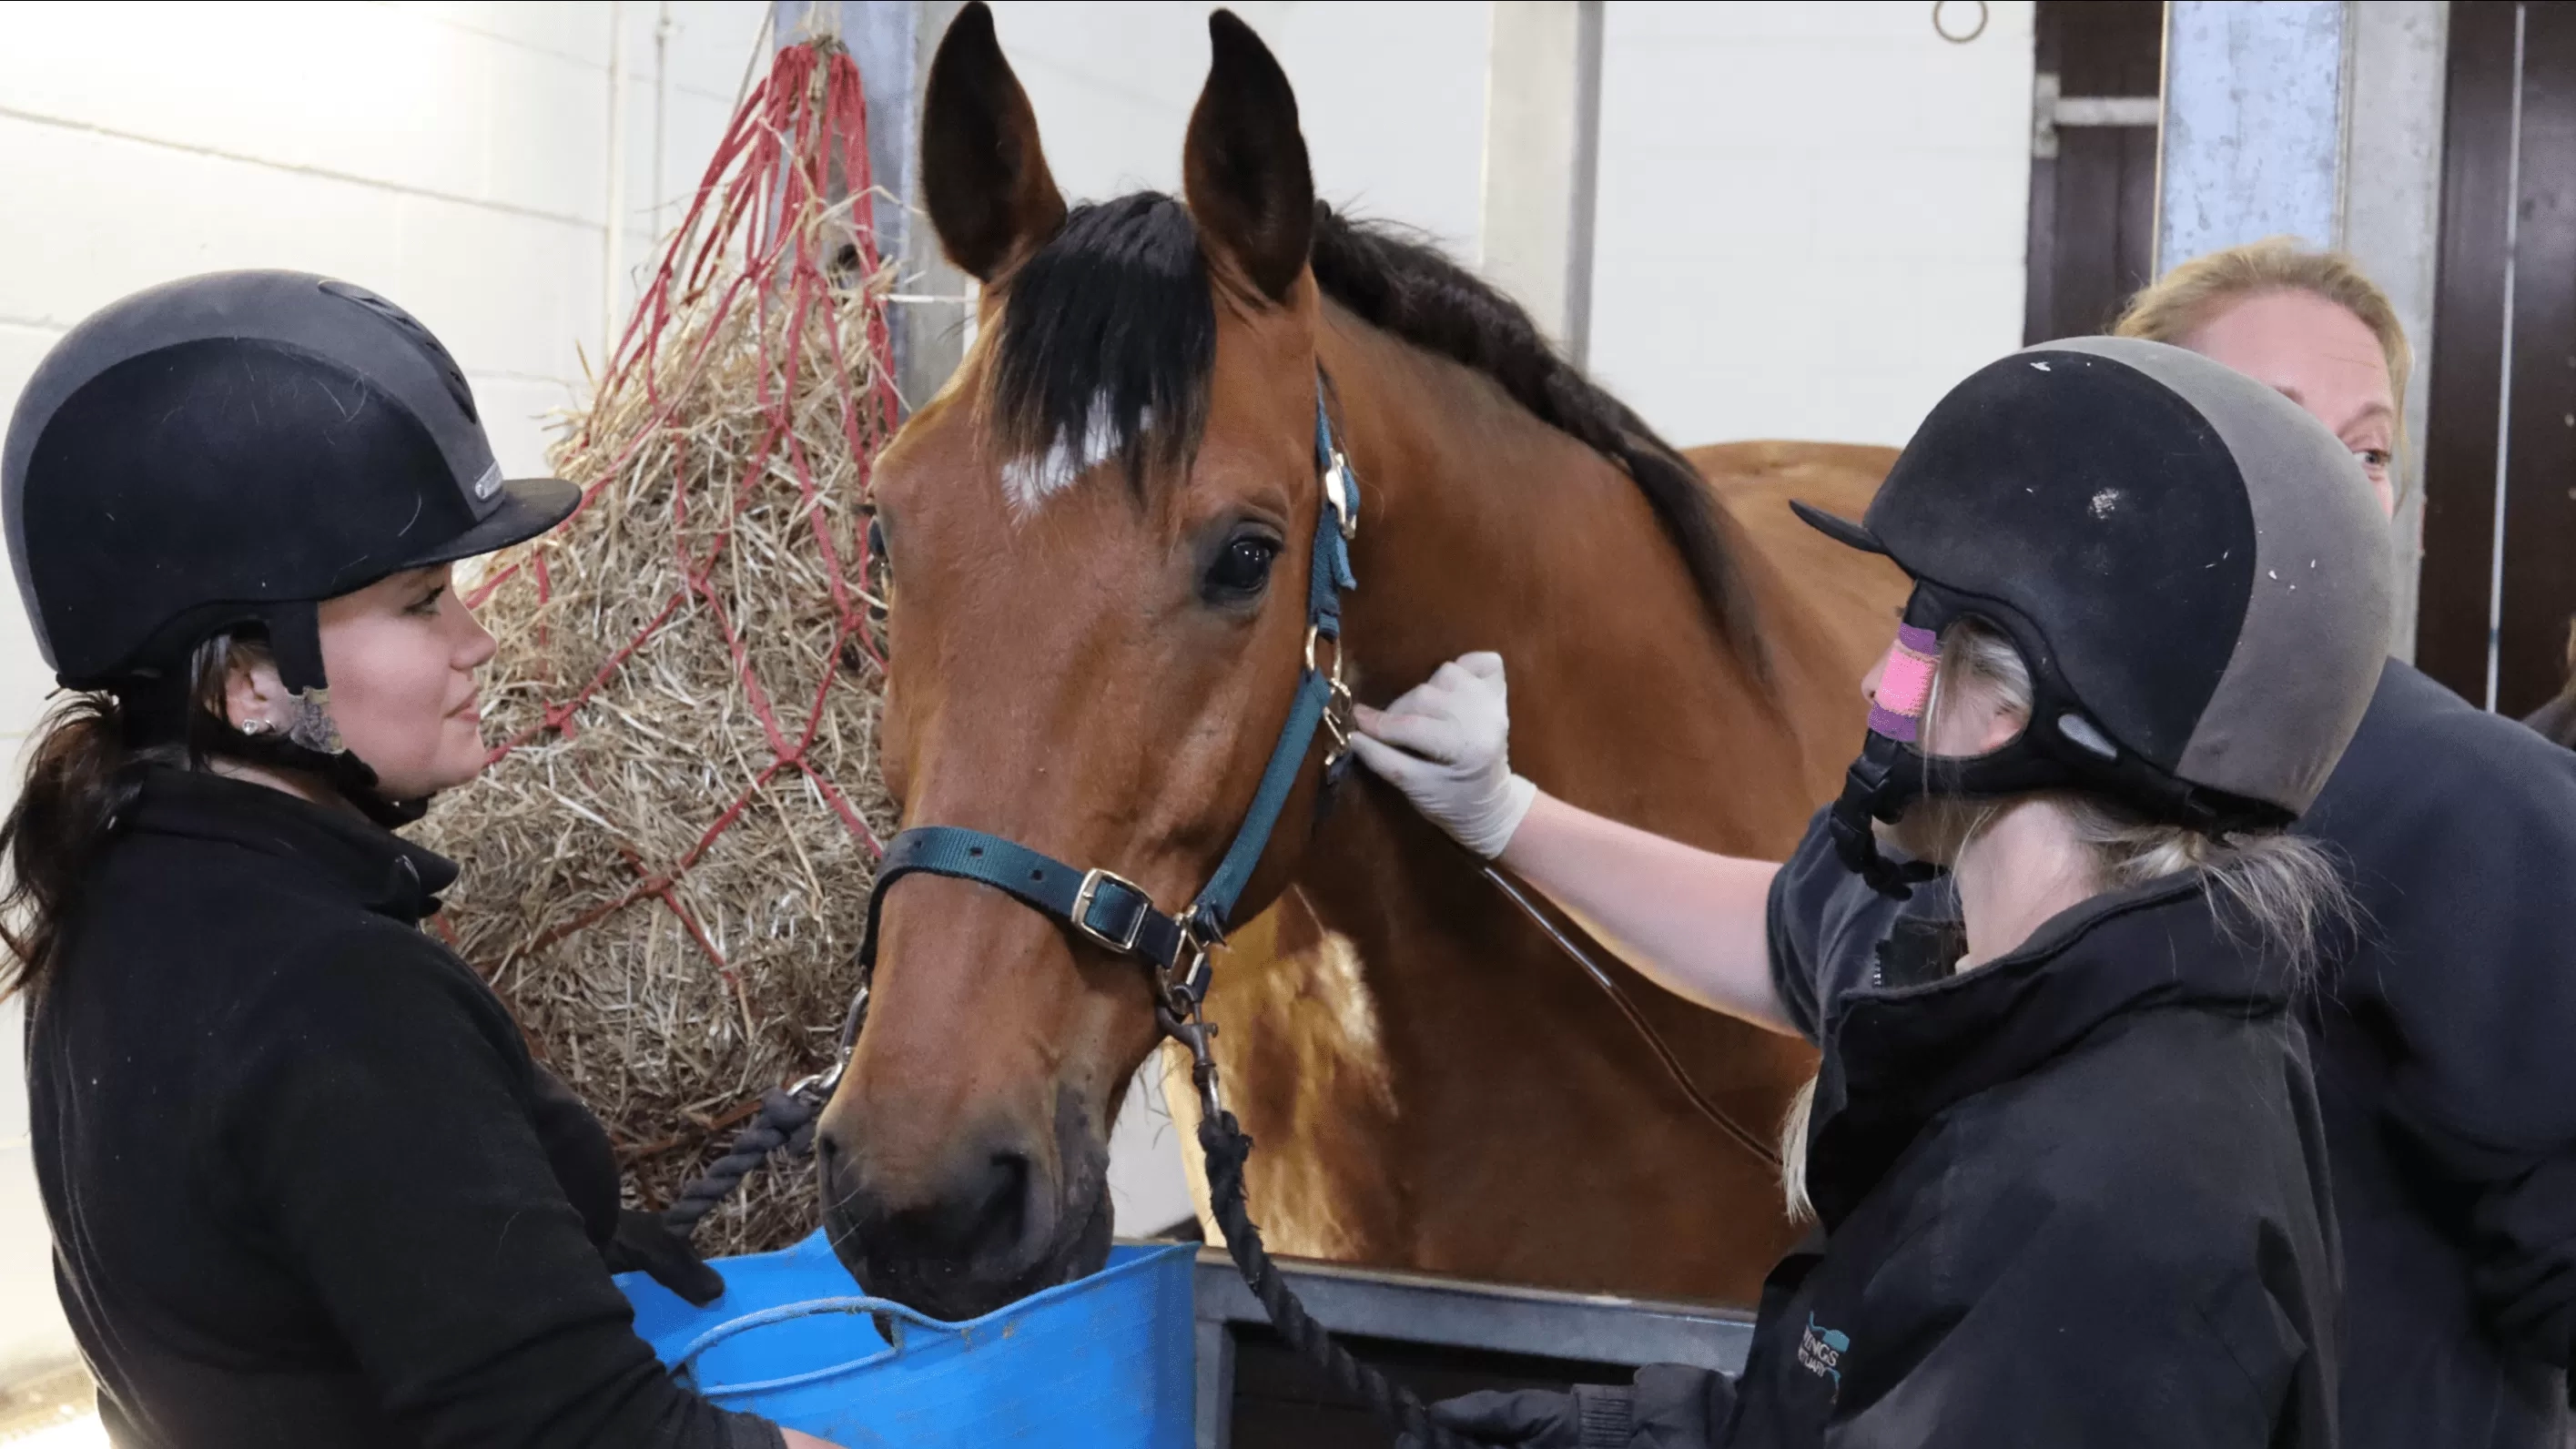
<point>991,1222</point>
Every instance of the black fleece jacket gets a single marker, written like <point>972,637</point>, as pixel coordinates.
<point>306,1185</point>
<point>2444,1036</point>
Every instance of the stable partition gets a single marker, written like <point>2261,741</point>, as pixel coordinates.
<point>1437,1336</point>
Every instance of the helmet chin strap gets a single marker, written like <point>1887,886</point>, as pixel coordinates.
<point>1893,771</point>
<point>1878,786</point>
<point>1889,773</point>
<point>310,725</point>
<point>295,645</point>
<point>308,741</point>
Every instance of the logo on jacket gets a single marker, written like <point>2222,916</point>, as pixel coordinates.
<point>1821,1351</point>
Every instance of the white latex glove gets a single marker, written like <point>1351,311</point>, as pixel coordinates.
<point>1443,744</point>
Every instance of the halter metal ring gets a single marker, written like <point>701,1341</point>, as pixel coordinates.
<point>1313,637</point>
<point>1092,881</point>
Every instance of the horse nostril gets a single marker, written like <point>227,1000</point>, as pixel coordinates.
<point>1003,1208</point>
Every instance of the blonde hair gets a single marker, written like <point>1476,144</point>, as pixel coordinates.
<point>2182,301</point>
<point>2280,891</point>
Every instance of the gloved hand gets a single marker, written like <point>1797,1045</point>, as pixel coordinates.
<point>1669,1407</point>
<point>644,1244</point>
<point>1593,1415</point>
<point>1443,744</point>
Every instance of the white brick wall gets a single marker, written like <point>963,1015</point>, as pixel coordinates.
<point>451,156</point>
<point>1811,217</point>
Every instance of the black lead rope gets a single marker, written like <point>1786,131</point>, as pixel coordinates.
<point>1225,1146</point>
<point>785,1121</point>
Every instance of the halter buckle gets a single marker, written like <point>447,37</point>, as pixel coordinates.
<point>1337,706</point>
<point>1337,491</point>
<point>1092,881</point>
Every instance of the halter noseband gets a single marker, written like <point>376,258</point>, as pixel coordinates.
<point>1108,909</point>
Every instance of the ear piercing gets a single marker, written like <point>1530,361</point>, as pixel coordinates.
<point>255,728</point>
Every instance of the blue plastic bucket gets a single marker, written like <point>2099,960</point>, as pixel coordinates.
<point>1102,1363</point>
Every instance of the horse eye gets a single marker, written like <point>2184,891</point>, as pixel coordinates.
<point>1243,569</point>
<point>876,541</point>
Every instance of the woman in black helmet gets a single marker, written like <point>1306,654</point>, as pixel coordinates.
<point>2064,1159</point>
<point>306,1185</point>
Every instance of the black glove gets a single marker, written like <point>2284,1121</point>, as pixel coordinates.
<point>1593,1415</point>
<point>643,1243</point>
<point>1669,1407</point>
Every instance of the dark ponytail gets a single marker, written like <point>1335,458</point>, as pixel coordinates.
<point>80,778</point>
<point>83,773</point>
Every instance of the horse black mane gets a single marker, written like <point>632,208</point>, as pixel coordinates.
<point>1113,324</point>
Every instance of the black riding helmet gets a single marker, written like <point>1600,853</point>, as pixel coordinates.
<point>2190,566</point>
<point>231,450</point>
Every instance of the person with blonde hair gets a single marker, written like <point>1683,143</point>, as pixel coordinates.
<point>2062,1152</point>
<point>2311,323</point>
<point>2439,1022</point>
<point>2443,1033</point>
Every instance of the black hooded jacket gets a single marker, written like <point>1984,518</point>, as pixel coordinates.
<point>2074,1196</point>
<point>306,1185</point>
<point>2444,1035</point>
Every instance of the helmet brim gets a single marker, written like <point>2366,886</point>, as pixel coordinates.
<point>1841,530</point>
<point>529,507</point>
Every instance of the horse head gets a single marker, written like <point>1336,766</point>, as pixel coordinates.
<point>1099,536</point>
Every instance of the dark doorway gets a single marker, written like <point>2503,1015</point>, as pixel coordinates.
<point>2093,162</point>
<point>2499,590</point>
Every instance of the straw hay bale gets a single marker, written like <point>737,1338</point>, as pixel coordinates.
<point>672,911</point>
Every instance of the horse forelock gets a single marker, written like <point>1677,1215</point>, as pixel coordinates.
<point>1106,348</point>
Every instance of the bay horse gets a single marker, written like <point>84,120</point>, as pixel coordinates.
<point>1099,535</point>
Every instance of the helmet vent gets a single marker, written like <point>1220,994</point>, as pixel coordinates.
<point>2085,735</point>
<point>448,371</point>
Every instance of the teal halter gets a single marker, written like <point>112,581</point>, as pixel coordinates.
<point>1108,909</point>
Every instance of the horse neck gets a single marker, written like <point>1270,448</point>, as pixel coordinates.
<point>1485,528</point>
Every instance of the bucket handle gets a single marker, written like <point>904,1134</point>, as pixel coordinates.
<point>684,1366</point>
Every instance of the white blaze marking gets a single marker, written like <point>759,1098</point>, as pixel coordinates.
<point>1028,483</point>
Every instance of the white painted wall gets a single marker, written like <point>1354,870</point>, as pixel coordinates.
<point>1811,217</point>
<point>1391,97</point>
<point>451,156</point>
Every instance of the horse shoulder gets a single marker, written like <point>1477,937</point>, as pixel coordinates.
<point>1316,1074</point>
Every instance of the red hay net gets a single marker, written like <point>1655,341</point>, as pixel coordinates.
<point>668,858</point>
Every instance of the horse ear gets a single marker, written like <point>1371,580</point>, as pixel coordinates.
<point>1244,168</point>
<point>984,178</point>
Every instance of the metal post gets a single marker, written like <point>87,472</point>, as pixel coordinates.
<point>612,261</point>
<point>2392,221</point>
<point>1542,142</point>
<point>892,42</point>
<point>2253,135</point>
<point>2319,119</point>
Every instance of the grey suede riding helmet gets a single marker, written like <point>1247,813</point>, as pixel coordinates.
<point>2192,567</point>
